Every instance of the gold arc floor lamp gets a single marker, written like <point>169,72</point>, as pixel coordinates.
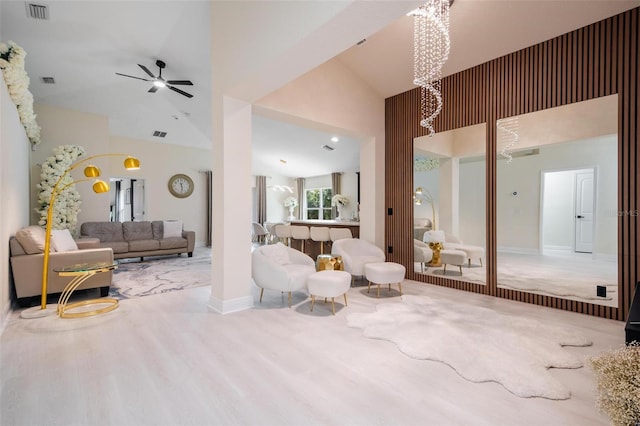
<point>427,195</point>
<point>91,173</point>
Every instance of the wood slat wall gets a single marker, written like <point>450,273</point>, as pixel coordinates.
<point>598,60</point>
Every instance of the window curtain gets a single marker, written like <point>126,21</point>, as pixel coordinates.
<point>209,212</point>
<point>300,194</point>
<point>335,189</point>
<point>261,202</point>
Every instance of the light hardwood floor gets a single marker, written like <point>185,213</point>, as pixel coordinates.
<point>168,360</point>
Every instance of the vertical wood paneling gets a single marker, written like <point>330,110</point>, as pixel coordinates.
<point>598,60</point>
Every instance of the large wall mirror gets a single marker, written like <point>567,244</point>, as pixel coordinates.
<point>449,183</point>
<point>557,186</point>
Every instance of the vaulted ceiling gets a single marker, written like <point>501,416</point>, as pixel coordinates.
<point>83,44</point>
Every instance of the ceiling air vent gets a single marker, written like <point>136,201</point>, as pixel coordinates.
<point>37,11</point>
<point>48,80</point>
<point>159,134</point>
<point>328,148</point>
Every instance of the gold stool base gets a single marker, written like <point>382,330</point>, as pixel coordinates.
<point>63,311</point>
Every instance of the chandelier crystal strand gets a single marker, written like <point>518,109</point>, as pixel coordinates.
<point>508,129</point>
<point>431,46</point>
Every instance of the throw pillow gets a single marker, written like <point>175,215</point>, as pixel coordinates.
<point>434,236</point>
<point>277,253</point>
<point>61,240</point>
<point>31,239</point>
<point>171,228</point>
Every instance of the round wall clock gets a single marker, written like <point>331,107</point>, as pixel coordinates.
<point>180,185</point>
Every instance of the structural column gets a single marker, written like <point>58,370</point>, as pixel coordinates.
<point>231,249</point>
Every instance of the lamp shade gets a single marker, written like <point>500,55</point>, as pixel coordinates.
<point>91,171</point>
<point>100,186</point>
<point>131,163</point>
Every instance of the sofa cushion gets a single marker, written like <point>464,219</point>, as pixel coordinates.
<point>172,243</point>
<point>106,231</point>
<point>61,240</point>
<point>31,238</point>
<point>144,245</point>
<point>116,246</point>
<point>171,228</point>
<point>134,231</point>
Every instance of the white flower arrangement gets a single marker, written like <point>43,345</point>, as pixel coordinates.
<point>15,76</point>
<point>339,200</point>
<point>425,164</point>
<point>290,202</point>
<point>67,203</point>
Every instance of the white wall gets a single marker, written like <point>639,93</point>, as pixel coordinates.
<point>518,216</point>
<point>14,187</point>
<point>158,163</point>
<point>472,202</point>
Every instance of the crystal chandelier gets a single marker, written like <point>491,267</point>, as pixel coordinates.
<point>431,49</point>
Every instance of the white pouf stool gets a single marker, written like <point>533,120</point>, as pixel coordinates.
<point>453,257</point>
<point>384,273</point>
<point>329,283</point>
<point>473,252</point>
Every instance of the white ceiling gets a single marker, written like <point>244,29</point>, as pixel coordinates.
<point>84,43</point>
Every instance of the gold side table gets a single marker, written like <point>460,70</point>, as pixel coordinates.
<point>329,262</point>
<point>80,274</point>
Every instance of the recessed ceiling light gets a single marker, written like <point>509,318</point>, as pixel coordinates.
<point>283,161</point>
<point>334,139</point>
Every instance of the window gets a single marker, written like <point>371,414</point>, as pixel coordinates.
<point>318,203</point>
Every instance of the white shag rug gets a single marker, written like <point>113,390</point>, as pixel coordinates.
<point>481,345</point>
<point>161,274</point>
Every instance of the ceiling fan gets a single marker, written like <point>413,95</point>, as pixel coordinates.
<point>159,82</point>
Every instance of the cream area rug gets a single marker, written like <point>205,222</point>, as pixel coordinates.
<point>161,274</point>
<point>481,345</point>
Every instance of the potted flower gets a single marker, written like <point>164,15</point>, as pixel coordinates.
<point>339,201</point>
<point>618,384</point>
<point>291,203</point>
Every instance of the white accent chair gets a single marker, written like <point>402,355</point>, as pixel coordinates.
<point>356,253</point>
<point>421,253</point>
<point>278,267</point>
<point>340,233</point>
<point>320,234</point>
<point>259,233</point>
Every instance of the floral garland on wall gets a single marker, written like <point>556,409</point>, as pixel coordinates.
<point>12,65</point>
<point>67,206</point>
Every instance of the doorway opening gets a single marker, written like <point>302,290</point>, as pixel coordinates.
<point>127,200</point>
<point>568,203</point>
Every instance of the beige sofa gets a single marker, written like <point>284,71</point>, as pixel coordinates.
<point>140,239</point>
<point>27,270</point>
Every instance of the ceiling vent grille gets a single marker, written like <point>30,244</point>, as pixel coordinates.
<point>328,148</point>
<point>37,11</point>
<point>48,80</point>
<point>159,134</point>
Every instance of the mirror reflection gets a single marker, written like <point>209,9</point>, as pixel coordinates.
<point>449,180</point>
<point>557,180</point>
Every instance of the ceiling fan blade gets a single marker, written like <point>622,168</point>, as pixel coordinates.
<point>153,89</point>
<point>180,82</point>
<point>180,91</point>
<point>145,69</point>
<point>131,76</point>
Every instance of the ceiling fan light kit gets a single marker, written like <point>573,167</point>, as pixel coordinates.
<point>159,82</point>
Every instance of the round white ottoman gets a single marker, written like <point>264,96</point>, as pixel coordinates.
<point>384,273</point>
<point>453,257</point>
<point>329,283</point>
<point>473,252</point>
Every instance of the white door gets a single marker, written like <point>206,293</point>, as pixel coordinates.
<point>138,201</point>
<point>584,211</point>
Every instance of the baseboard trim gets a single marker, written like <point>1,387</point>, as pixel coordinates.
<point>232,305</point>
